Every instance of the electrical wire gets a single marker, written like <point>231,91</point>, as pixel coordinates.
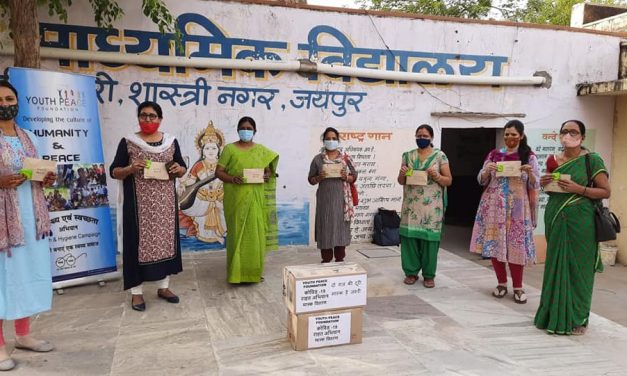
<point>404,69</point>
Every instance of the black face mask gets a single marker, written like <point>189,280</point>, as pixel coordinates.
<point>8,112</point>
<point>423,143</point>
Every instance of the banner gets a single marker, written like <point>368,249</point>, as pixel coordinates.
<point>61,110</point>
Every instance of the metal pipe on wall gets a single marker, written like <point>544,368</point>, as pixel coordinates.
<point>303,66</point>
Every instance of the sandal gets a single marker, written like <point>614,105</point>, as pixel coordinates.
<point>500,291</point>
<point>579,330</point>
<point>410,279</point>
<point>428,283</point>
<point>520,297</point>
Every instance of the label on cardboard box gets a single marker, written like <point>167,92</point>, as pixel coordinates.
<point>330,293</point>
<point>323,287</point>
<point>329,330</point>
<point>322,329</point>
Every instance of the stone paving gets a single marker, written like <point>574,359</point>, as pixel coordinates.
<point>218,329</point>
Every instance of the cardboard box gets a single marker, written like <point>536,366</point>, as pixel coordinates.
<point>324,287</point>
<point>322,329</point>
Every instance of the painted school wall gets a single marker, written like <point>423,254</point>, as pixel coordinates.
<point>378,118</point>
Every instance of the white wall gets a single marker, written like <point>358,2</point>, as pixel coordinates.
<point>569,57</point>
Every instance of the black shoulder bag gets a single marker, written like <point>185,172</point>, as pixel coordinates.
<point>606,223</point>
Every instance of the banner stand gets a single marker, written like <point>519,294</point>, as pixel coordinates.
<point>98,278</point>
<point>61,111</point>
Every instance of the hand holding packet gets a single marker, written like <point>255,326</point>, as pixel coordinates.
<point>156,170</point>
<point>508,169</point>
<point>37,169</point>
<point>553,186</point>
<point>253,175</point>
<point>332,170</point>
<point>416,177</point>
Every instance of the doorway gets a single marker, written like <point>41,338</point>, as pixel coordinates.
<point>466,150</point>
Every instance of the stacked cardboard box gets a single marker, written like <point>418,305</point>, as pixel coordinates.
<point>325,304</point>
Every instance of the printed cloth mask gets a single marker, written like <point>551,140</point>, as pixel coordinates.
<point>246,134</point>
<point>569,141</point>
<point>148,127</point>
<point>331,144</point>
<point>423,143</point>
<point>511,142</point>
<point>8,112</point>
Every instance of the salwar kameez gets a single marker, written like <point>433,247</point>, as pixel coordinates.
<point>419,254</point>
<point>422,216</point>
<point>332,227</point>
<point>505,220</point>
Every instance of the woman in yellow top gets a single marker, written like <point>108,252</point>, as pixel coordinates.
<point>249,208</point>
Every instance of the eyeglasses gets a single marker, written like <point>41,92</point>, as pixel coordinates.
<point>145,116</point>
<point>571,132</point>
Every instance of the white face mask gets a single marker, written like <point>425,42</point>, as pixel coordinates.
<point>331,145</point>
<point>569,141</point>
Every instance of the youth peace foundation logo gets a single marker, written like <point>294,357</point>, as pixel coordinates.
<point>67,99</point>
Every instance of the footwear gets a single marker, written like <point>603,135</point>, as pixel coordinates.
<point>579,330</point>
<point>428,283</point>
<point>170,299</point>
<point>520,297</point>
<point>500,291</point>
<point>410,279</point>
<point>42,346</point>
<point>141,307</point>
<point>7,364</point>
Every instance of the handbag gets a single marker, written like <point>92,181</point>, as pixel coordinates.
<point>354,194</point>
<point>606,224</point>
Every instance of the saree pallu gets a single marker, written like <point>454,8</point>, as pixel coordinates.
<point>250,213</point>
<point>572,254</point>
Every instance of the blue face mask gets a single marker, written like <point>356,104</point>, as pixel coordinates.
<point>331,145</point>
<point>423,143</point>
<point>246,134</point>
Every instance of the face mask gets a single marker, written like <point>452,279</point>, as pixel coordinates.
<point>331,144</point>
<point>569,141</point>
<point>423,143</point>
<point>511,143</point>
<point>246,134</point>
<point>148,127</point>
<point>8,112</point>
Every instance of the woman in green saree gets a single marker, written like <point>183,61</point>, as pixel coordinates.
<point>572,250</point>
<point>249,208</point>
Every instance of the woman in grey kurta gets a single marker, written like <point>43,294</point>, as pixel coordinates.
<point>333,171</point>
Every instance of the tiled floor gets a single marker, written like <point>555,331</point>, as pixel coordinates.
<point>217,329</point>
<point>610,287</point>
